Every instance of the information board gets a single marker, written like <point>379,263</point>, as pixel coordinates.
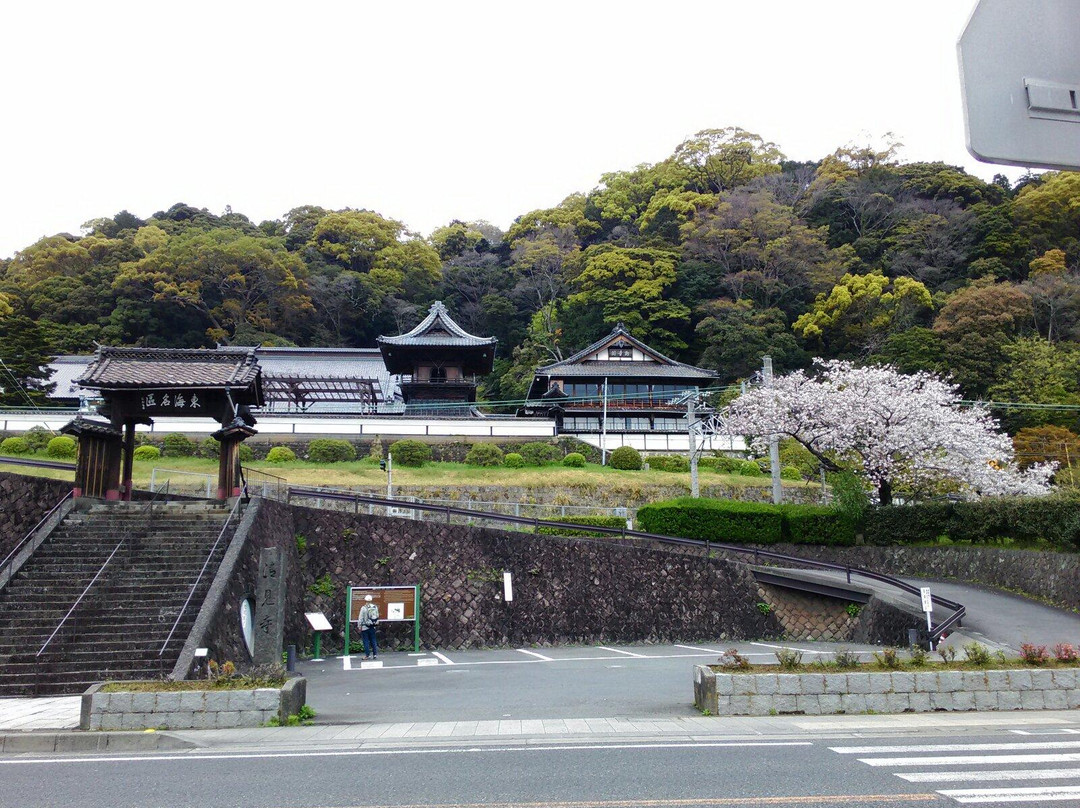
<point>396,603</point>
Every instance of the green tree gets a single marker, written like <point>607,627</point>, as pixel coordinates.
<point>735,336</point>
<point>1035,371</point>
<point>722,159</point>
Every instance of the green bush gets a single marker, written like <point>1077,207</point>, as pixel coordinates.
<point>714,519</point>
<point>626,458</point>
<point>245,453</point>
<point>146,453</point>
<point>280,454</point>
<point>1054,520</point>
<point>748,468</point>
<point>727,465</point>
<point>61,447</point>
<point>15,446</point>
<point>815,524</point>
<point>512,460</point>
<point>602,521</point>
<point>410,452</point>
<point>331,450</point>
<point>38,438</point>
<point>484,454</point>
<point>540,454</point>
<point>708,462</point>
<point>675,463</point>
<point>176,445</point>
<point>790,473</point>
<point>574,460</point>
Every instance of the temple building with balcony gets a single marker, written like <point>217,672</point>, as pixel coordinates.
<point>438,364</point>
<point>639,390</point>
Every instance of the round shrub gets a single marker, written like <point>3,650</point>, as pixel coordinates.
<point>331,450</point>
<point>146,453</point>
<point>675,463</point>
<point>512,460</point>
<point>574,460</point>
<point>61,446</point>
<point>37,438</point>
<point>626,458</point>
<point>540,454</point>
<point>210,448</point>
<point>748,468</point>
<point>280,454</point>
<point>176,445</point>
<point>790,473</point>
<point>484,454</point>
<point>15,446</point>
<point>410,452</point>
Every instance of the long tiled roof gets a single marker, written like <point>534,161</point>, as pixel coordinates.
<point>657,365</point>
<point>438,329</point>
<point>121,368</point>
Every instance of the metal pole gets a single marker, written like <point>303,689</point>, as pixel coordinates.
<point>348,618</point>
<point>774,442</point>
<point>389,476</point>
<point>416,619</point>
<point>694,490</point>
<point>603,429</point>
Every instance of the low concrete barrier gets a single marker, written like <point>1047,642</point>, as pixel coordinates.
<point>884,691</point>
<point>190,709</point>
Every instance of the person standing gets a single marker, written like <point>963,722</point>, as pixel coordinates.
<point>367,620</point>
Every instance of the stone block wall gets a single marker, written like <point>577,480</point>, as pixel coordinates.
<point>191,709</point>
<point>25,501</point>
<point>565,590</point>
<point>884,691</point>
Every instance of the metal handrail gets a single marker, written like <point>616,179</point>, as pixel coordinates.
<point>959,610</point>
<point>41,464</point>
<point>198,578</point>
<point>10,557</point>
<point>127,535</point>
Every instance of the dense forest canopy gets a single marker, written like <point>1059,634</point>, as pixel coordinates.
<point>721,252</point>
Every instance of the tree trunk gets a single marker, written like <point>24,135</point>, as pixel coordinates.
<point>885,493</point>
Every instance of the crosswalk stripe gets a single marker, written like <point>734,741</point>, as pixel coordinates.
<point>970,760</point>
<point>1002,774</point>
<point>1033,794</point>
<point>956,747</point>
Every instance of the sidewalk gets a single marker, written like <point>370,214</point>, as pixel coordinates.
<point>345,737</point>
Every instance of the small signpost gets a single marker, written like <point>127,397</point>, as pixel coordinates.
<point>928,607</point>
<point>395,604</point>
<point>319,624</point>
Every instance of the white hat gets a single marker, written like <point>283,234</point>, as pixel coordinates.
<point>367,597</point>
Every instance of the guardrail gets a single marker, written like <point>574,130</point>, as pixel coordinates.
<point>42,464</point>
<point>936,631</point>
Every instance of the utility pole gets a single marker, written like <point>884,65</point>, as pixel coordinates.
<point>603,429</point>
<point>387,465</point>
<point>694,491</point>
<point>774,442</point>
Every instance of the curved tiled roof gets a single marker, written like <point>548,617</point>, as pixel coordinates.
<point>658,364</point>
<point>438,328</point>
<point>122,368</point>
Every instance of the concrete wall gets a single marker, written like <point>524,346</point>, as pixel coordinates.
<point>884,692</point>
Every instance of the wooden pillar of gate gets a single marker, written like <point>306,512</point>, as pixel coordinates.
<point>97,465</point>
<point>229,479</point>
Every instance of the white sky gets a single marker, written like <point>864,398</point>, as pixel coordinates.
<point>426,112</point>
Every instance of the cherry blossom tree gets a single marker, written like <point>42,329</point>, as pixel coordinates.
<point>898,431</point>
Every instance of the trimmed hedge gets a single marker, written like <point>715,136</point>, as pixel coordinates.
<point>484,454</point>
<point>539,454</point>
<point>280,454</point>
<point>790,473</point>
<point>626,458</point>
<point>15,446</point>
<point>176,444</point>
<point>602,521</point>
<point>513,460</point>
<point>37,437</point>
<point>146,453</point>
<point>410,452</point>
<point>331,450</point>
<point>816,524</point>
<point>714,519</point>
<point>574,460</point>
<point>61,447</point>
<point>1054,519</point>
<point>674,463</point>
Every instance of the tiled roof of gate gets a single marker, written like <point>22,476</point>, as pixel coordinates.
<point>438,328</point>
<point>120,368</point>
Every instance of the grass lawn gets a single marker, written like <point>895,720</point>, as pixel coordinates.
<point>366,473</point>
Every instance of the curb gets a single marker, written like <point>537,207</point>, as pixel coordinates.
<point>47,742</point>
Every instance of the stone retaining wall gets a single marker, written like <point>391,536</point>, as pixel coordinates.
<point>191,709</point>
<point>884,692</point>
<point>25,500</point>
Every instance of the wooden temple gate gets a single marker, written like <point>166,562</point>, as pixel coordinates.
<point>138,384</point>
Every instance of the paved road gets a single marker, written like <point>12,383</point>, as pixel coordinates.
<point>1033,765</point>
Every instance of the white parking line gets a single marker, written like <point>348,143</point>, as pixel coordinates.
<point>956,747</point>
<point>696,648</point>
<point>617,651</point>
<point>444,659</point>
<point>1003,774</point>
<point>790,648</point>
<point>346,663</point>
<point>533,653</point>
<point>1035,794</point>
<point>971,760</point>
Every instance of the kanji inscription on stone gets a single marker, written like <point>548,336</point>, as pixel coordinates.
<point>269,607</point>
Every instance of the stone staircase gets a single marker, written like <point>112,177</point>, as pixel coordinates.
<point>118,629</point>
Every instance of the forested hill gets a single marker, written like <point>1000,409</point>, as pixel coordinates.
<point>719,253</point>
